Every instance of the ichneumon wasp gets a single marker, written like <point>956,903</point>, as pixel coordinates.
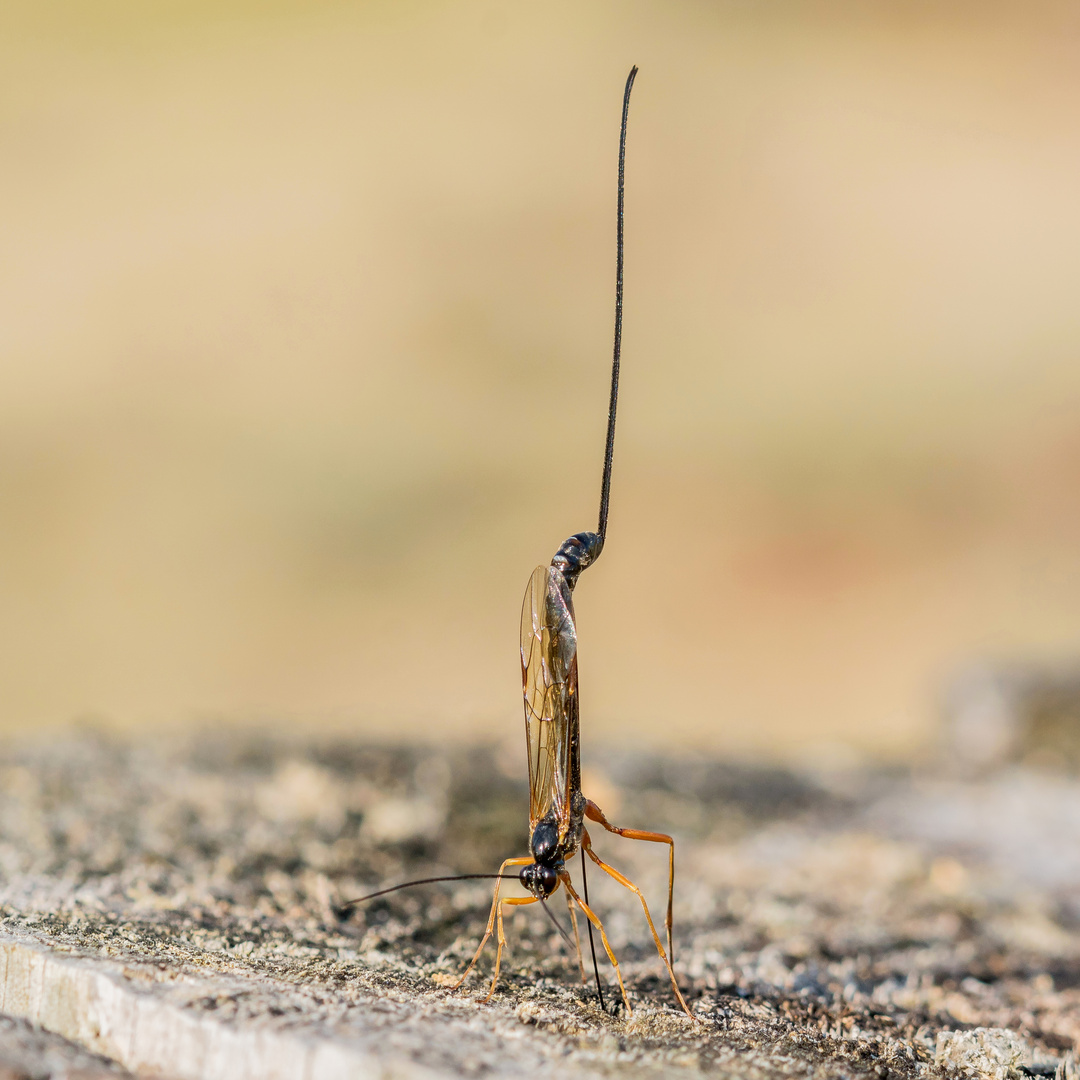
<point>558,809</point>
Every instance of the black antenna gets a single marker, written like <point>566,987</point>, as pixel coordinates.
<point>592,944</point>
<point>558,925</point>
<point>343,908</point>
<point>605,486</point>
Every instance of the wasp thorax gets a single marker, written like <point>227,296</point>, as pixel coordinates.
<point>577,553</point>
<point>545,840</point>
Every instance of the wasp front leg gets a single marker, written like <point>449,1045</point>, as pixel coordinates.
<point>524,860</point>
<point>513,901</point>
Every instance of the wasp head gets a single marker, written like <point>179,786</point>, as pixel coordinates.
<point>540,879</point>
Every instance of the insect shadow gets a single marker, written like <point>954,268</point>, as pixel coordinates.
<point>558,809</point>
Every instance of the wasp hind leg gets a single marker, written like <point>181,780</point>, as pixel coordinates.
<point>586,846</point>
<point>491,921</point>
<point>594,919</point>
<point>577,940</point>
<point>594,813</point>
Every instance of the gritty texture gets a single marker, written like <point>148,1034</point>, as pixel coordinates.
<point>844,925</point>
<point>28,1053</point>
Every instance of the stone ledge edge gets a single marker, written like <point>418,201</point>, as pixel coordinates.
<point>91,1003</point>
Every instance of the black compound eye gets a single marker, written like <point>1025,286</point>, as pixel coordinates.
<point>548,879</point>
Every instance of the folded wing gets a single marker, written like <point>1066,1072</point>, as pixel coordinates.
<point>549,682</point>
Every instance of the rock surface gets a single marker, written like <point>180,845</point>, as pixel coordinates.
<point>29,1053</point>
<point>176,908</point>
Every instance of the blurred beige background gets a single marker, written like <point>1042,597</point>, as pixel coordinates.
<point>305,317</point>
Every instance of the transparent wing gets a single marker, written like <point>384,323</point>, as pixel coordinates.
<point>549,682</point>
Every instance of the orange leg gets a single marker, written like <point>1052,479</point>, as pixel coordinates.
<point>594,813</point>
<point>577,940</point>
<point>513,901</point>
<point>491,918</point>
<point>564,877</point>
<point>586,846</point>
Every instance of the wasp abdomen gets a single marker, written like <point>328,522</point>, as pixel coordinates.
<point>576,553</point>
